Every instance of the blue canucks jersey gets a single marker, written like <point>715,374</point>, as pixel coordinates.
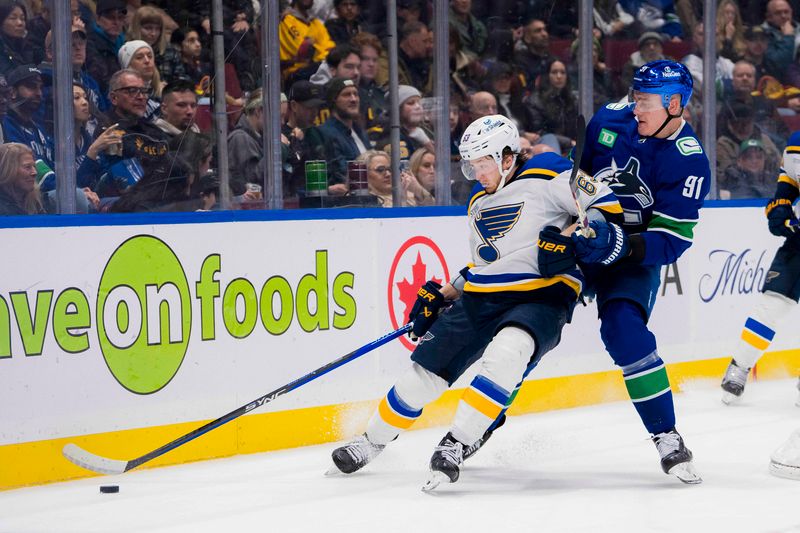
<point>660,183</point>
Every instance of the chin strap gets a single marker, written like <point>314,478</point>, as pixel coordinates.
<point>664,124</point>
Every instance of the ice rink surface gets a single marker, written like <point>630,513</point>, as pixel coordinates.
<point>587,469</point>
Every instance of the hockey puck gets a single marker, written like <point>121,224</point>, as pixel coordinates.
<point>109,489</point>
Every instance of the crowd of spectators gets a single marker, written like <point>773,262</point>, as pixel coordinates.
<point>143,70</point>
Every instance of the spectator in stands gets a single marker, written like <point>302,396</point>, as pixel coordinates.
<point>379,180</point>
<point>370,92</point>
<point>610,18</point>
<point>19,194</point>
<point>471,31</point>
<point>88,149</point>
<point>139,56</point>
<point>340,139</point>
<point>5,98</point>
<point>104,41</point>
<point>144,145</point>
<point>783,37</point>
<point>38,25</point>
<point>343,61</point>
<point>765,112</point>
<point>554,107</point>
<point>656,16</point>
<point>197,150</point>
<point>304,40</point>
<point>730,31</point>
<point>422,165</point>
<point>347,22</point>
<point>183,59</point>
<point>14,51</point>
<point>736,125</point>
<point>603,88</point>
<point>178,109</point>
<point>532,52</point>
<point>509,93</point>
<point>694,62</point>
<point>245,146</point>
<point>482,104</point>
<point>164,188</point>
<point>412,134</point>
<point>148,26</point>
<point>209,192</point>
<point>748,177</point>
<point>97,100</point>
<point>650,49</point>
<point>414,63</point>
<point>18,124</point>
<point>466,70</point>
<point>756,40</point>
<point>304,103</point>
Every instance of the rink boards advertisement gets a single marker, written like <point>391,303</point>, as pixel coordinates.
<point>123,337</point>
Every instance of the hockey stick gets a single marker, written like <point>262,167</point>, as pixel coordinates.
<point>103,465</point>
<point>577,154</point>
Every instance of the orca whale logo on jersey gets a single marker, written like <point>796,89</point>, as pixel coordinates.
<point>493,223</point>
<point>625,182</point>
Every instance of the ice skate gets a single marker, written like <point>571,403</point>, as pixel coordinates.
<point>785,461</point>
<point>445,462</point>
<point>354,455</point>
<point>733,383</point>
<point>676,459</point>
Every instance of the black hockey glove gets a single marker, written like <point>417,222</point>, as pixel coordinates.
<point>556,252</point>
<point>609,245</point>
<point>780,217</point>
<point>426,309</point>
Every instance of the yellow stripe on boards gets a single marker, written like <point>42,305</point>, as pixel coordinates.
<point>392,418</point>
<point>33,463</point>
<point>754,340</point>
<point>481,404</point>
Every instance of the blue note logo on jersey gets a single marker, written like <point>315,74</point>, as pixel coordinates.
<point>493,223</point>
<point>625,182</point>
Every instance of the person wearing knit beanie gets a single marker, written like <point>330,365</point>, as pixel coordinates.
<point>127,50</point>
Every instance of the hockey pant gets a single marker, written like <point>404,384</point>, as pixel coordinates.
<point>760,327</point>
<point>623,329</point>
<point>502,368</point>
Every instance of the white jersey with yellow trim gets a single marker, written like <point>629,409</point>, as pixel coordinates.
<point>505,225</point>
<point>789,176</point>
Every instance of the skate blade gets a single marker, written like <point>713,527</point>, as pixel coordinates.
<point>730,398</point>
<point>334,471</point>
<point>686,473</point>
<point>784,471</point>
<point>435,479</point>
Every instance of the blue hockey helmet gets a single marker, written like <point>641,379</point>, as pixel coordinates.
<point>666,78</point>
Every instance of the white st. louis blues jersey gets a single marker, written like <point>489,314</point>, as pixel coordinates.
<point>505,226</point>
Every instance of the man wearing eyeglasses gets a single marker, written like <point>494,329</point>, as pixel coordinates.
<point>143,143</point>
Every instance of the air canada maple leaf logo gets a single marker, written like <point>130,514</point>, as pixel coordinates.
<point>418,260</point>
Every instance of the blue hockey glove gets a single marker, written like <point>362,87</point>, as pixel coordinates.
<point>780,217</point>
<point>609,245</point>
<point>426,309</point>
<point>556,252</point>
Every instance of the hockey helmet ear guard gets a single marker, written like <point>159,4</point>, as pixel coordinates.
<point>665,78</point>
<point>488,136</point>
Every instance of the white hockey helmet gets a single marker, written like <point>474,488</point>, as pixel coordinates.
<point>488,135</point>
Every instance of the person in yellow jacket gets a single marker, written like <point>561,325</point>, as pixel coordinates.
<point>303,39</point>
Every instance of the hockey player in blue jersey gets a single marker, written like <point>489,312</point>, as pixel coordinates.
<point>652,160</point>
<point>781,289</point>
<point>508,306</point>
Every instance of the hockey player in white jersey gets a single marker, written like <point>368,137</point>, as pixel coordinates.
<point>781,289</point>
<point>508,306</point>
